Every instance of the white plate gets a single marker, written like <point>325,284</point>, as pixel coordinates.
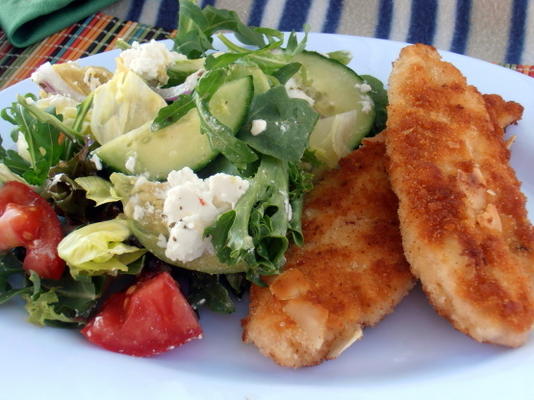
<point>412,354</point>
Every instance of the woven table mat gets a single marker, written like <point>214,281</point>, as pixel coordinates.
<point>95,34</point>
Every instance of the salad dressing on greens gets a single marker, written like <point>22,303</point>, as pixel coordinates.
<point>183,172</point>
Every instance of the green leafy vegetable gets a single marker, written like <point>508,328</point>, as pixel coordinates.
<point>300,182</point>
<point>181,69</point>
<point>11,268</point>
<point>98,248</point>
<point>221,138</point>
<point>222,60</point>
<point>196,26</point>
<point>41,308</point>
<point>206,289</point>
<point>293,45</point>
<point>7,175</point>
<point>286,72</point>
<point>66,194</point>
<point>380,98</point>
<point>44,134</point>
<point>98,189</point>
<point>63,302</point>
<point>82,110</point>
<point>76,298</point>
<point>47,118</point>
<point>255,231</point>
<point>289,123</point>
<point>173,112</point>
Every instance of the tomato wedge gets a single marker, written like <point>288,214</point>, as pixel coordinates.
<point>27,220</point>
<point>149,318</point>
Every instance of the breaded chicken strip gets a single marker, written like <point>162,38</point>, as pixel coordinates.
<point>463,220</point>
<point>350,273</point>
<point>501,112</point>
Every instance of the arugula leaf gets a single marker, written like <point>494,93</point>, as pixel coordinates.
<point>48,118</point>
<point>221,138</point>
<point>267,60</point>
<point>82,110</point>
<point>218,61</point>
<point>293,45</point>
<point>45,135</point>
<point>173,112</point>
<point>13,161</point>
<point>196,26</point>
<point>210,82</point>
<point>380,98</point>
<point>289,124</point>
<point>286,72</point>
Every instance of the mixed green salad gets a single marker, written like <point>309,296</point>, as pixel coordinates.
<point>135,198</point>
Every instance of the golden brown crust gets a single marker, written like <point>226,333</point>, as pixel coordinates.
<point>463,219</point>
<point>502,112</point>
<point>351,272</point>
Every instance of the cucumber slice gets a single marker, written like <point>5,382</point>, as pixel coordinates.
<point>181,144</point>
<point>260,80</point>
<point>332,137</point>
<point>337,90</point>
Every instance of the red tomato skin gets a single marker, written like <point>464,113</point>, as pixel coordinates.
<point>18,225</point>
<point>149,318</point>
<point>32,224</point>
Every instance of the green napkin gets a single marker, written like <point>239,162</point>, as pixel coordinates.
<point>27,21</point>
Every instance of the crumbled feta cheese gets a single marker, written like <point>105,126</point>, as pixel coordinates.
<point>150,60</point>
<point>191,205</point>
<point>367,104</point>
<point>138,213</point>
<point>295,92</point>
<point>363,87</point>
<point>96,160</point>
<point>130,163</point>
<point>162,241</point>
<point>287,206</point>
<point>258,126</point>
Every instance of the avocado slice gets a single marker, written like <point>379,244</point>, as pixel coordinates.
<point>181,144</point>
<point>136,192</point>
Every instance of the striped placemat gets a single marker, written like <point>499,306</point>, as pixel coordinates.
<point>92,35</point>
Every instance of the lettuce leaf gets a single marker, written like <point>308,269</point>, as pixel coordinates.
<point>98,249</point>
<point>255,231</point>
<point>40,309</point>
<point>98,189</point>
